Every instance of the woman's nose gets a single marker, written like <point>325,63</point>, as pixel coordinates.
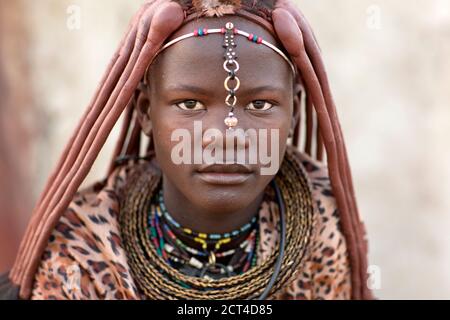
<point>219,133</point>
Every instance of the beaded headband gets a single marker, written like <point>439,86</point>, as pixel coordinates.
<point>231,65</point>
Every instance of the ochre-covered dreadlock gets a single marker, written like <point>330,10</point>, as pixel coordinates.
<point>151,26</point>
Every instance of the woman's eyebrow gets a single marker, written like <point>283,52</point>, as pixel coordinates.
<point>188,88</point>
<point>206,92</point>
<point>264,88</point>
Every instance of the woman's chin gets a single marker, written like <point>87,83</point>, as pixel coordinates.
<point>223,199</point>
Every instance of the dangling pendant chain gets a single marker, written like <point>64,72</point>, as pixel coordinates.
<point>231,66</point>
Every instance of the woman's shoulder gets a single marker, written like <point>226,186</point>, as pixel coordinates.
<point>86,245</point>
<point>92,215</point>
<point>326,271</point>
<point>321,189</point>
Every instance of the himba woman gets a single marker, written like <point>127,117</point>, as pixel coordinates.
<point>158,228</point>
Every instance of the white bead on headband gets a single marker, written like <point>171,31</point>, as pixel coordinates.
<point>230,60</point>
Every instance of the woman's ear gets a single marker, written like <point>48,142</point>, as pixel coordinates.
<point>142,105</point>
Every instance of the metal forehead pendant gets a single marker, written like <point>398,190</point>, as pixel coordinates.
<point>231,66</point>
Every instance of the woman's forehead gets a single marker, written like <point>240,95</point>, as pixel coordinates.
<point>199,60</point>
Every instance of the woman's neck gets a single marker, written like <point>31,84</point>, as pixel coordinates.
<point>196,218</point>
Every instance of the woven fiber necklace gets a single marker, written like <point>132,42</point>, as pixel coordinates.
<point>157,279</point>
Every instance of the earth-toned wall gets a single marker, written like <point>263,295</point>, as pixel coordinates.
<point>389,67</point>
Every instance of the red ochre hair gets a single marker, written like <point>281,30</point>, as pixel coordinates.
<point>318,126</point>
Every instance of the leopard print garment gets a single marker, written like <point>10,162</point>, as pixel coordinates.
<point>84,258</point>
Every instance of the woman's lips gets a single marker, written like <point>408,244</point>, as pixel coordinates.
<point>225,174</point>
<point>224,178</point>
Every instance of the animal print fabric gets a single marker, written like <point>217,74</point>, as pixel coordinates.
<point>85,259</point>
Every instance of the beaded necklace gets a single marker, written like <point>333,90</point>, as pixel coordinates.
<point>178,254</point>
<point>199,236</point>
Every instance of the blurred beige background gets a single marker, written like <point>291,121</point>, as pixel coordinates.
<point>389,66</point>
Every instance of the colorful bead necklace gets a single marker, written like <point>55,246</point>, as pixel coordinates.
<point>199,236</point>
<point>176,252</point>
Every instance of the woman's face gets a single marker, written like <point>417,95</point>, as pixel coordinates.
<point>186,85</point>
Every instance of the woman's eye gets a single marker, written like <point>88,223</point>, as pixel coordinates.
<point>190,105</point>
<point>260,105</point>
